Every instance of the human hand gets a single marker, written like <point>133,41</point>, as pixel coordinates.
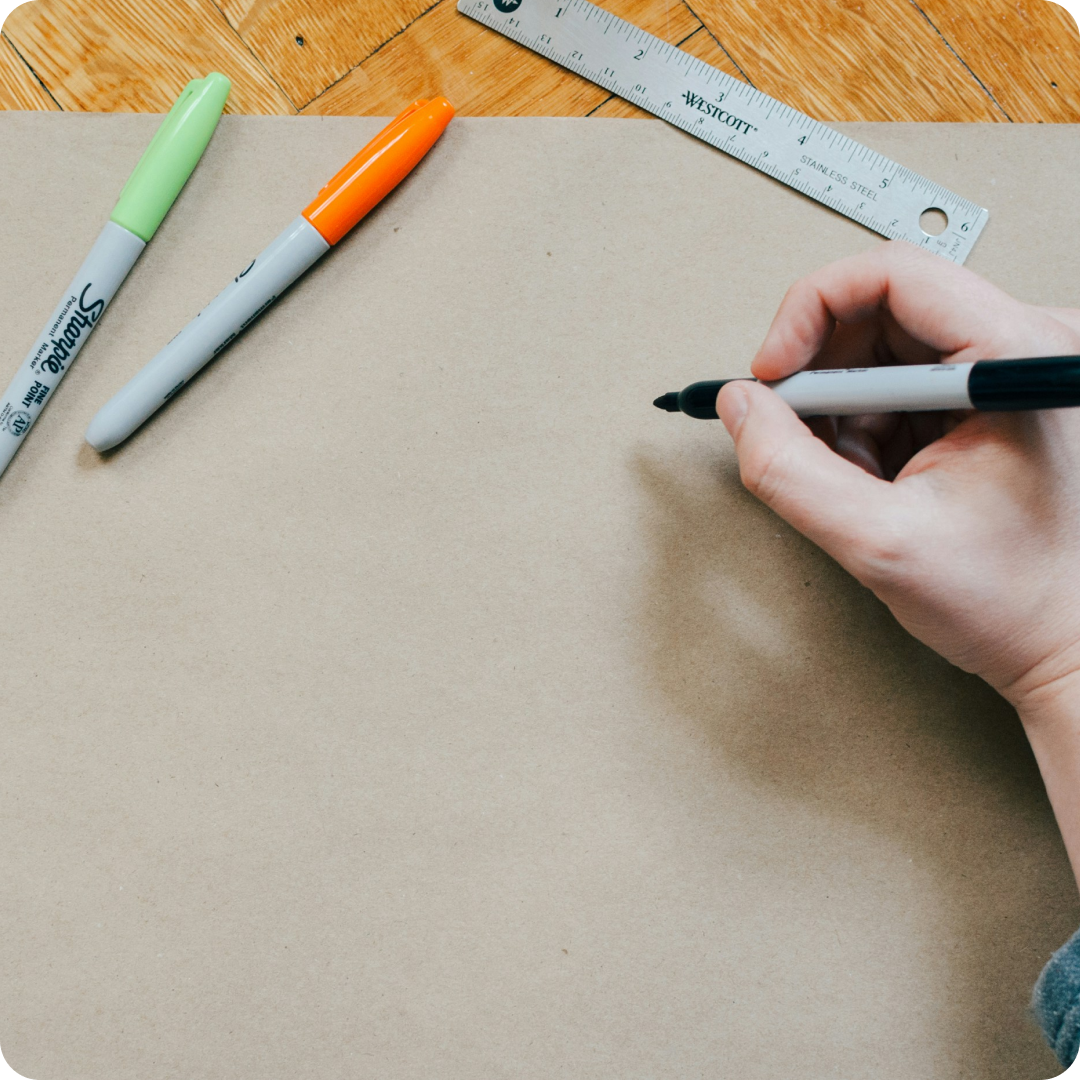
<point>967,525</point>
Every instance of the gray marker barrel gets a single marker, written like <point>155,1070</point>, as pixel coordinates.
<point>228,315</point>
<point>899,388</point>
<point>101,274</point>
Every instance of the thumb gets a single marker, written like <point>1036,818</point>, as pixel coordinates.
<point>826,497</point>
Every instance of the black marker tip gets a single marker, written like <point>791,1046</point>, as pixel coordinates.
<point>667,402</point>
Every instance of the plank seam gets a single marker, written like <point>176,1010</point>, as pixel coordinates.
<point>948,45</point>
<point>719,43</point>
<point>378,48</point>
<point>29,67</point>
<point>251,52</point>
<point>252,12</point>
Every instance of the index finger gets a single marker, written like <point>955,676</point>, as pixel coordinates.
<point>938,303</point>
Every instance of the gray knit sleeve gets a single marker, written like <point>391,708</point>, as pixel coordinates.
<point>1056,1001</point>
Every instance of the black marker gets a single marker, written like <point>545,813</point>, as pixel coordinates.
<point>1051,382</point>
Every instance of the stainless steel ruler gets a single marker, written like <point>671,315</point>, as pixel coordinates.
<point>731,115</point>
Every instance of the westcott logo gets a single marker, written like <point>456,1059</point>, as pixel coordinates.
<point>696,101</point>
<point>506,6</point>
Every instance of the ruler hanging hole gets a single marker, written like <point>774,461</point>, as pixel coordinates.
<point>933,222</point>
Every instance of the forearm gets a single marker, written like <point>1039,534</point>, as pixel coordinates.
<point>1051,719</point>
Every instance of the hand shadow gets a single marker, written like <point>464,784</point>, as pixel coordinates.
<point>797,678</point>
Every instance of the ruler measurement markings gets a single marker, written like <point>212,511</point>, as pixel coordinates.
<point>878,193</point>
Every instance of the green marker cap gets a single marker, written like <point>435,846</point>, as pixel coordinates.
<point>171,156</point>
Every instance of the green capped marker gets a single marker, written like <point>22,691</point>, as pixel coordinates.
<point>147,197</point>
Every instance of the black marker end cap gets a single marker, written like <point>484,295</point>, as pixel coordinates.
<point>1047,382</point>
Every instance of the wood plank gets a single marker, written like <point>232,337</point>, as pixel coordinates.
<point>480,71</point>
<point>837,59</point>
<point>1025,52</point>
<point>137,55</point>
<point>336,37</point>
<point>19,89</point>
<point>700,44</point>
<point>848,60</point>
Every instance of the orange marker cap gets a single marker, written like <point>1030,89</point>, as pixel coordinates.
<point>378,168</point>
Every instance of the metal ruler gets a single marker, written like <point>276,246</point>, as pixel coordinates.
<point>731,115</point>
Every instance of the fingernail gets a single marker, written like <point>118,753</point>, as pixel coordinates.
<point>731,406</point>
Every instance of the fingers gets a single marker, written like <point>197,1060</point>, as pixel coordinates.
<point>883,443</point>
<point>827,498</point>
<point>860,439</point>
<point>941,307</point>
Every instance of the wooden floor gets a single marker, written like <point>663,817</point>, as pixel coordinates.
<point>1001,60</point>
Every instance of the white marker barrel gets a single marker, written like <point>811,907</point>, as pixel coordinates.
<point>298,248</point>
<point>109,262</point>
<point>899,388</point>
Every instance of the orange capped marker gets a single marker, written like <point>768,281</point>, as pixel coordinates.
<point>378,168</point>
<point>355,191</point>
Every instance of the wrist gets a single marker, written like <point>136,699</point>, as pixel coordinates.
<point>1050,713</point>
<point>1049,693</point>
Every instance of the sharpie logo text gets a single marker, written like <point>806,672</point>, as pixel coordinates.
<point>65,343</point>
